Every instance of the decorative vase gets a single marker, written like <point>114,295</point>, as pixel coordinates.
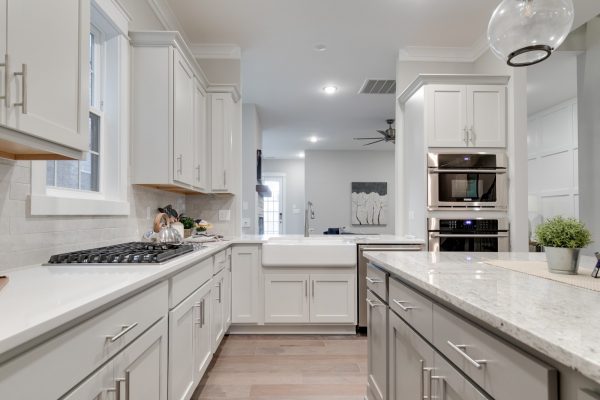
<point>562,260</point>
<point>187,233</point>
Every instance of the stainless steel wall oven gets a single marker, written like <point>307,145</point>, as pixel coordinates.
<point>476,234</point>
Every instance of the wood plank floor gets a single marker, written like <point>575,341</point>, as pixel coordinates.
<point>269,367</point>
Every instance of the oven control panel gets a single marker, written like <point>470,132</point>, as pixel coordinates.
<point>468,225</point>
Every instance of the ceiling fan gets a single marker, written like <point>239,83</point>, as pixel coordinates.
<point>389,135</point>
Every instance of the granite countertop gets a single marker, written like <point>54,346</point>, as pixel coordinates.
<point>356,238</point>
<point>556,319</point>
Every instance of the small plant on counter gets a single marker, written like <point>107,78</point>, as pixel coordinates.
<point>188,222</point>
<point>563,232</point>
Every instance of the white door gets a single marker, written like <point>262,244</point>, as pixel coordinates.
<point>141,369</point>
<point>486,115</point>
<point>274,206</point>
<point>203,333</point>
<point>445,115</point>
<point>221,105</point>
<point>217,317</point>
<point>182,343</point>
<point>246,295</point>
<point>410,358</point>
<point>333,298</point>
<point>183,121</point>
<point>377,328</point>
<point>286,298</point>
<point>200,139</point>
<point>100,386</point>
<point>48,69</point>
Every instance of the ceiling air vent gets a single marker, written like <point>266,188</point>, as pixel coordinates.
<point>378,86</point>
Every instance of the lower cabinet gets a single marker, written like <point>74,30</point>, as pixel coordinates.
<point>314,298</point>
<point>190,345</point>
<point>218,310</point>
<point>377,323</point>
<point>227,291</point>
<point>98,386</point>
<point>245,284</point>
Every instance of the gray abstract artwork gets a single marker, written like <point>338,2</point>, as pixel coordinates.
<point>369,203</point>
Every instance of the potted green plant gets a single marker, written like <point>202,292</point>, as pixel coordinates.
<point>188,225</point>
<point>562,239</point>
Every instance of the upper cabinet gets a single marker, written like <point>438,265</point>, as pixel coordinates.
<point>44,79</point>
<point>182,127</point>
<point>459,110</point>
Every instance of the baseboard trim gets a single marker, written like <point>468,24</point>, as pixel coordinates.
<point>292,330</point>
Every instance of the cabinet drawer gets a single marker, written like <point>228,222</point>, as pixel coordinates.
<point>377,281</point>
<point>412,307</point>
<point>502,370</point>
<point>79,351</point>
<point>185,282</point>
<point>220,261</point>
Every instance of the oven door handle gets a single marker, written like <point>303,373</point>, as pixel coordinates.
<point>460,235</point>
<point>466,171</point>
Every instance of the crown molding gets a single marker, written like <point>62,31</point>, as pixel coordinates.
<point>225,88</point>
<point>445,54</point>
<point>167,17</point>
<point>216,51</point>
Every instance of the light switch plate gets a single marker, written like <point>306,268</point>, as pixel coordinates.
<point>224,215</point>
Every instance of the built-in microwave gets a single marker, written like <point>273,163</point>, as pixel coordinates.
<point>463,180</point>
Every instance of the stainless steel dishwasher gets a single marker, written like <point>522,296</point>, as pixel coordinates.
<point>362,274</point>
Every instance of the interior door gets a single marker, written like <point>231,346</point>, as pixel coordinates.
<point>286,298</point>
<point>274,206</point>
<point>333,298</point>
<point>445,115</point>
<point>49,69</point>
<point>410,362</point>
<point>486,115</point>
<point>377,325</point>
<point>183,121</point>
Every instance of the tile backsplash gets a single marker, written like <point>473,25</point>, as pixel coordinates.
<point>207,207</point>
<point>27,239</point>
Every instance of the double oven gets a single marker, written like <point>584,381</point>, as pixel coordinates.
<point>467,199</point>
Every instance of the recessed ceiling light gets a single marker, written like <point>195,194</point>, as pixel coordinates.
<point>313,139</point>
<point>330,89</point>
<point>320,47</point>
<point>301,154</point>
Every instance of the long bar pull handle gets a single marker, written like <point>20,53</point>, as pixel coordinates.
<point>180,164</point>
<point>402,306</point>
<point>371,280</point>
<point>422,381</point>
<point>203,312</point>
<point>371,304</point>
<point>198,306</point>
<point>125,329</point>
<point>5,96</point>
<point>313,289</point>
<point>472,135</point>
<point>23,103</point>
<point>466,136</point>
<point>305,288</point>
<point>127,385</point>
<point>460,349</point>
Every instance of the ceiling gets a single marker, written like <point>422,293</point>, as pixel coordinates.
<point>283,74</point>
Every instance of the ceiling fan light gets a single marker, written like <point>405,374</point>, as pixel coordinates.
<point>525,32</point>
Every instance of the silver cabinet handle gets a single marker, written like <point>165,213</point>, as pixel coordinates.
<point>402,306</point>
<point>496,171</point>
<point>6,81</point>
<point>23,103</point>
<point>457,235</point>
<point>371,304</point>
<point>305,288</point>
<point>127,385</point>
<point>125,329</point>
<point>198,306</point>
<point>442,380</point>
<point>313,289</point>
<point>460,349</point>
<point>466,136</point>
<point>422,381</point>
<point>472,135</point>
<point>219,286</point>
<point>198,176</point>
<point>180,161</point>
<point>371,280</point>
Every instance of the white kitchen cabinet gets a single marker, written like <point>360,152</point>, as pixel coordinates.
<point>221,135</point>
<point>227,291</point>
<point>98,386</point>
<point>448,384</point>
<point>377,325</point>
<point>465,115</point>
<point>201,154</point>
<point>218,310</point>
<point>246,276</point>
<point>47,115</point>
<point>286,298</point>
<point>141,369</point>
<point>333,298</point>
<point>190,347</point>
<point>183,121</point>
<point>3,68</point>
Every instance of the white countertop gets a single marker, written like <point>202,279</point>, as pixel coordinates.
<point>558,320</point>
<point>356,238</point>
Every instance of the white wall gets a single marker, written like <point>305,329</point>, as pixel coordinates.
<point>553,162</point>
<point>294,189</point>
<point>328,178</point>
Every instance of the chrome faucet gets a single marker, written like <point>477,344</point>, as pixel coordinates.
<point>309,213</point>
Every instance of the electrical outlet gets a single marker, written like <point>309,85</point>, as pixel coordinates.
<point>224,215</point>
<point>245,222</point>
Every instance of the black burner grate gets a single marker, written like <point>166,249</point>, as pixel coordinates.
<point>133,252</point>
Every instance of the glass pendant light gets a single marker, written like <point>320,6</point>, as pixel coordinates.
<point>525,32</point>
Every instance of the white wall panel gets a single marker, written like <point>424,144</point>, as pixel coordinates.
<point>556,129</point>
<point>557,205</point>
<point>556,171</point>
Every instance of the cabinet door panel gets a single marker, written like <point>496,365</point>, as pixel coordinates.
<point>183,121</point>
<point>486,115</point>
<point>377,325</point>
<point>96,387</point>
<point>56,78</point>
<point>200,139</point>
<point>203,341</point>
<point>245,284</point>
<point>217,316</point>
<point>286,298</point>
<point>409,358</point>
<point>221,140</point>
<point>445,115</point>
<point>143,365</point>
<point>448,384</point>
<point>3,70</point>
<point>333,298</point>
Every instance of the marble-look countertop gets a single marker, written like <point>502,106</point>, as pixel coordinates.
<point>558,320</point>
<point>356,238</point>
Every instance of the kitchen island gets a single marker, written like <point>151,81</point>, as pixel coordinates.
<point>547,321</point>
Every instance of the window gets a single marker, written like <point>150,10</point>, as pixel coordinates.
<point>98,184</point>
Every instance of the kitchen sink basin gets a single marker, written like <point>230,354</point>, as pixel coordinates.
<point>309,252</point>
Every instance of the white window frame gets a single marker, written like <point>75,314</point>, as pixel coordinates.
<point>112,21</point>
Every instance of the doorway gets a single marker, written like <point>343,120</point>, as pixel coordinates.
<point>274,206</point>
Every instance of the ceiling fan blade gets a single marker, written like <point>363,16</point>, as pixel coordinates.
<point>384,133</point>
<point>365,138</point>
<point>377,141</point>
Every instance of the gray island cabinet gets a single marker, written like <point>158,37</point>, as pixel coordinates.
<point>422,346</point>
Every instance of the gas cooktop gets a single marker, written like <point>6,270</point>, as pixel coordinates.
<point>126,253</point>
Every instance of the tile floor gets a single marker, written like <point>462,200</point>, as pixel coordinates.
<point>287,367</point>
